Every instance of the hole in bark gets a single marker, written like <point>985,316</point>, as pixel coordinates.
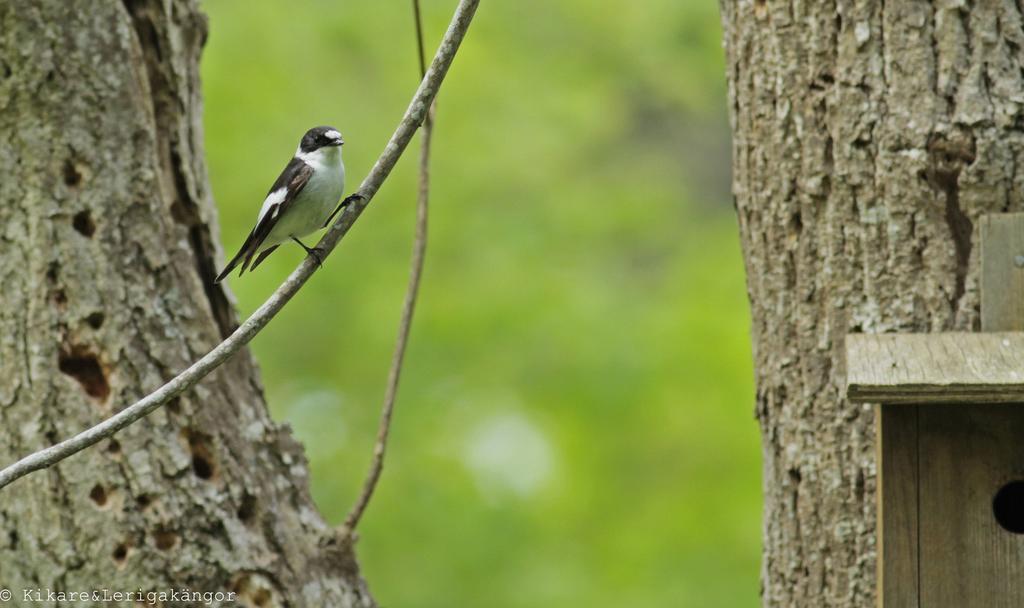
<point>72,176</point>
<point>83,224</point>
<point>261,598</point>
<point>247,509</point>
<point>202,461</point>
<point>95,320</point>
<point>98,495</point>
<point>796,224</point>
<point>143,500</point>
<point>12,536</point>
<point>114,447</point>
<point>1008,507</point>
<point>120,553</point>
<point>201,467</point>
<point>253,590</point>
<point>85,367</point>
<point>948,156</point>
<point>60,298</point>
<point>52,271</point>
<point>165,540</point>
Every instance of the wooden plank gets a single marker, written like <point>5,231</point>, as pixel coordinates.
<point>935,368</point>
<point>967,560</point>
<point>1002,272</point>
<point>897,455</point>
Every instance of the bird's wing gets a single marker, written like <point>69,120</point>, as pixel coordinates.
<point>281,196</point>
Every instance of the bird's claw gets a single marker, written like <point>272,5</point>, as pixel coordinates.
<point>317,254</point>
<point>345,203</point>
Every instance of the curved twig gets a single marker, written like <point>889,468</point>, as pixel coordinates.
<point>419,251</point>
<point>414,116</point>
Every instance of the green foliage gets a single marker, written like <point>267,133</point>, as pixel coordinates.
<point>574,424</point>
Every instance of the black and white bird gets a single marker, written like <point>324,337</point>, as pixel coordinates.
<point>300,202</point>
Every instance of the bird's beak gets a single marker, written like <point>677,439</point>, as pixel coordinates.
<point>339,142</point>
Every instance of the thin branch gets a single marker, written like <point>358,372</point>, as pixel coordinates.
<point>414,116</point>
<point>419,37</point>
<point>419,251</point>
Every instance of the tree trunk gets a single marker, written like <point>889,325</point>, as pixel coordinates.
<point>868,139</point>
<point>109,240</point>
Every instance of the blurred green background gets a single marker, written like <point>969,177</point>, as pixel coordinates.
<point>574,425</point>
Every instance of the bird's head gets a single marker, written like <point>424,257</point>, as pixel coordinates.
<point>320,137</point>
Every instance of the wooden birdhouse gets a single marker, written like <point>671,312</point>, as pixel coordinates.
<point>950,437</point>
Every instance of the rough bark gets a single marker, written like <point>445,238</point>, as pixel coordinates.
<point>868,139</point>
<point>108,254</point>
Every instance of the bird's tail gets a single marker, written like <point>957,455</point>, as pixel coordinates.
<point>231,266</point>
<point>244,255</point>
<point>259,259</point>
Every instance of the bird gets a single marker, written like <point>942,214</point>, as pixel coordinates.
<point>300,201</point>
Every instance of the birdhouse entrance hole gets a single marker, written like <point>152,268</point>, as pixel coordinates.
<point>1008,507</point>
